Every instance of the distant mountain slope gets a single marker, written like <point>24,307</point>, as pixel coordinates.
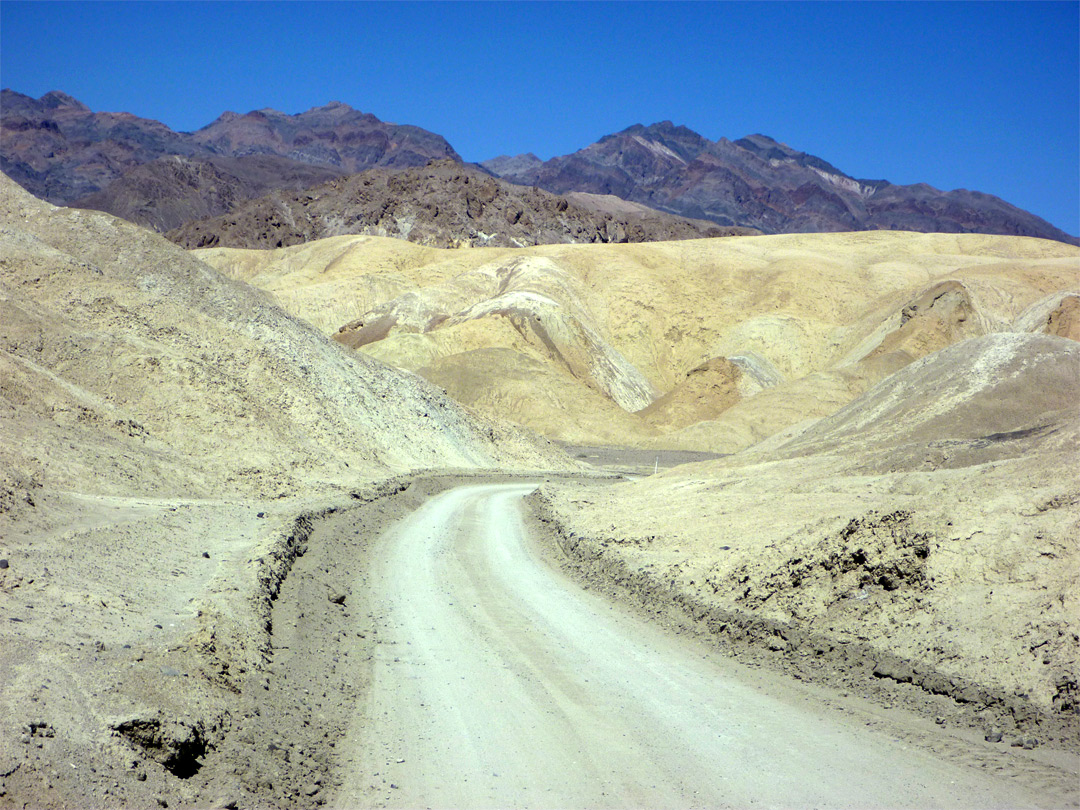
<point>443,204</point>
<point>60,150</point>
<point>169,191</point>
<point>332,135</point>
<point>759,183</point>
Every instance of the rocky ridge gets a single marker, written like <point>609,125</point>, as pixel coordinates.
<point>60,150</point>
<point>760,183</point>
<point>443,204</point>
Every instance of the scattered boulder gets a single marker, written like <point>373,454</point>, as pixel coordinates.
<point>178,746</point>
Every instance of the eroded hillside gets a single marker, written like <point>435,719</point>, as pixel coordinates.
<point>703,344</point>
<point>922,538</point>
<point>130,366</point>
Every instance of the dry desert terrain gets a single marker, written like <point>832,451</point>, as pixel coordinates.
<point>208,456</point>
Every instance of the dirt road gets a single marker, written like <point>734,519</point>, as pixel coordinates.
<point>497,682</point>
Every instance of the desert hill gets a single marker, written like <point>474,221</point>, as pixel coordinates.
<point>702,344</point>
<point>442,204</point>
<point>130,365</point>
<point>760,183</point>
<point>168,437</point>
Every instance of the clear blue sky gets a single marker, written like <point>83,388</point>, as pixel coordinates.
<point>959,95</point>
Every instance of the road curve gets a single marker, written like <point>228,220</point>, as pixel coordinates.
<point>500,683</point>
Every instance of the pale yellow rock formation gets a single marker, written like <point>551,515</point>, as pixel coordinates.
<point>800,323</point>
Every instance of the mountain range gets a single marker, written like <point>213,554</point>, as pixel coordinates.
<point>137,168</point>
<point>759,183</point>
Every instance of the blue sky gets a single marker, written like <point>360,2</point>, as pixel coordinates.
<point>959,95</point>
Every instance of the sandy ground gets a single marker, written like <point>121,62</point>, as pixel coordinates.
<point>634,461</point>
<point>153,650</point>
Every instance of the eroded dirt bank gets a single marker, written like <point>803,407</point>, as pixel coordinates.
<point>877,590</point>
<point>138,640</point>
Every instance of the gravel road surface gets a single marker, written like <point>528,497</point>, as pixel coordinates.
<point>497,682</point>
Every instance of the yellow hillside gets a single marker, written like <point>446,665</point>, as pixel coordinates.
<point>597,343</point>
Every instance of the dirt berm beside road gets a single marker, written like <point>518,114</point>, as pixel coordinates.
<point>142,643</point>
<point>189,653</point>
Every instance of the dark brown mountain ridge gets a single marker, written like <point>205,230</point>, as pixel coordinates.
<point>172,190</point>
<point>442,204</point>
<point>60,150</point>
<point>761,183</point>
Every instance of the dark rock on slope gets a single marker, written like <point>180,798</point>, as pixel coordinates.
<point>760,183</point>
<point>443,204</point>
<point>172,190</point>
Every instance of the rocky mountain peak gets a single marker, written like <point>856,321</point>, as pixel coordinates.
<point>333,106</point>
<point>516,165</point>
<point>55,98</point>
<point>664,139</point>
<point>224,118</point>
<point>666,129</point>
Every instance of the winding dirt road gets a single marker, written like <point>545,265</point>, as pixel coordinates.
<point>500,683</point>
